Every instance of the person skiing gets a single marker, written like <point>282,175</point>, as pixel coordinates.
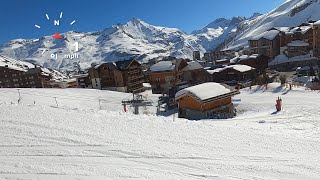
<point>279,104</point>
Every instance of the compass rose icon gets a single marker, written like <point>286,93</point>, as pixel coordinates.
<point>56,22</point>
<point>58,39</point>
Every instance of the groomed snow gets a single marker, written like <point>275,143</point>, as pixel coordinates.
<point>204,91</point>
<point>78,140</point>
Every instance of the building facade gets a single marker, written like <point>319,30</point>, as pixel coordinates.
<point>267,44</point>
<point>21,78</point>
<point>198,102</point>
<point>123,76</point>
<point>166,75</point>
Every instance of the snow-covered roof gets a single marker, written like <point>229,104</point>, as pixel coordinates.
<point>280,59</point>
<point>162,66</point>
<point>234,60</point>
<point>15,64</point>
<point>80,75</point>
<point>204,91</point>
<point>241,68</point>
<point>221,60</point>
<point>217,70</point>
<point>193,65</point>
<point>270,35</point>
<point>282,29</point>
<point>298,43</point>
<point>237,67</point>
<point>302,29</point>
<point>317,23</point>
<point>253,56</point>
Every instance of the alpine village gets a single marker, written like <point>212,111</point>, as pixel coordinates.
<point>200,88</point>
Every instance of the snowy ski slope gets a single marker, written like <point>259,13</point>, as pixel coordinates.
<point>82,140</point>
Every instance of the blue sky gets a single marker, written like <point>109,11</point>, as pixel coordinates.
<point>18,17</point>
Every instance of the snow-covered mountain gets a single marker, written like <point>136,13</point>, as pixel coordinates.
<point>142,41</point>
<point>214,34</point>
<point>289,14</point>
<point>135,39</point>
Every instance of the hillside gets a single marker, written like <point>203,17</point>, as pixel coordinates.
<point>80,140</point>
<point>289,14</point>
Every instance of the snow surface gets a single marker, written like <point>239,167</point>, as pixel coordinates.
<point>79,140</point>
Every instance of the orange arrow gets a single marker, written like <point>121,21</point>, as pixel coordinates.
<point>57,36</point>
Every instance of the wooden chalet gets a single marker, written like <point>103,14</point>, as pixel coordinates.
<point>122,76</point>
<point>257,61</point>
<point>267,44</point>
<point>205,101</point>
<point>194,73</point>
<point>297,48</point>
<point>166,75</point>
<point>232,74</point>
<point>83,80</point>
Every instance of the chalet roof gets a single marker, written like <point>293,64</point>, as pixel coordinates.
<point>280,59</point>
<point>317,23</point>
<point>123,64</point>
<point>193,65</point>
<point>107,64</point>
<point>205,91</point>
<point>302,29</point>
<point>221,60</point>
<point>269,35</point>
<point>15,64</point>
<point>237,67</point>
<point>281,29</point>
<point>163,66</point>
<point>244,57</point>
<point>298,43</point>
<point>241,68</point>
<point>80,75</point>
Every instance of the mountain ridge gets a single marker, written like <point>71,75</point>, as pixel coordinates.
<point>142,41</point>
<point>134,39</point>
